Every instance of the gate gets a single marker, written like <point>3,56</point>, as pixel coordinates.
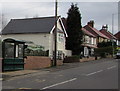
<point>13,54</point>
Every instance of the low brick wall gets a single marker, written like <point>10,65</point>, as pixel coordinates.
<point>59,62</point>
<point>87,59</point>
<point>71,60</point>
<point>37,62</point>
<point>0,64</point>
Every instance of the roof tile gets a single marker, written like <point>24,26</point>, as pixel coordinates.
<point>95,31</point>
<point>29,25</point>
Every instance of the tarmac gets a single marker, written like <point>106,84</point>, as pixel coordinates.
<point>9,74</point>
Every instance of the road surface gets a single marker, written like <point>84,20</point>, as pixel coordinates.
<point>101,74</point>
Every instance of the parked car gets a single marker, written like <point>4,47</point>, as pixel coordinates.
<point>118,54</point>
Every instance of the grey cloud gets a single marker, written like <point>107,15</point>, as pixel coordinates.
<point>101,12</point>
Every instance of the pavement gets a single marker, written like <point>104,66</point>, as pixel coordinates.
<point>18,73</point>
<point>6,75</point>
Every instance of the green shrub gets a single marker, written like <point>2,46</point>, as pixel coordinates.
<point>36,51</point>
<point>104,51</point>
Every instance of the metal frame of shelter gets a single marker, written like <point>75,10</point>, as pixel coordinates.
<point>12,54</point>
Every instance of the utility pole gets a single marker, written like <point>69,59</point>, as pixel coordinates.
<point>112,33</point>
<point>55,35</point>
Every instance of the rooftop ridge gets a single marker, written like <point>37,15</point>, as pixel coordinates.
<point>36,18</point>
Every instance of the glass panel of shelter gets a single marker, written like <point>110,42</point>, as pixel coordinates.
<point>13,50</point>
<point>20,50</point>
<point>9,50</point>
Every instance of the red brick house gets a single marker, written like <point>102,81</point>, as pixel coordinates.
<point>89,43</point>
<point>105,31</point>
<point>100,37</point>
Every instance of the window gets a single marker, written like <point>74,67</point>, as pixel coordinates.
<point>87,39</point>
<point>59,55</point>
<point>60,37</point>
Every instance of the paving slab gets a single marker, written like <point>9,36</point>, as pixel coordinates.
<point>6,75</point>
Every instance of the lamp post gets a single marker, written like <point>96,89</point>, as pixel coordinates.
<point>113,29</point>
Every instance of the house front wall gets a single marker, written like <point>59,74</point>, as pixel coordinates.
<point>43,39</point>
<point>60,42</point>
<point>88,44</point>
<point>37,39</point>
<point>61,39</point>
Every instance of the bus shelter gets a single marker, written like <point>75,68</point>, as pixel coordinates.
<point>12,54</point>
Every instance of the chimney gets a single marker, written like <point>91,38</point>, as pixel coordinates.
<point>105,27</point>
<point>91,23</point>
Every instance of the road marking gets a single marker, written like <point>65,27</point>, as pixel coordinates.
<point>24,88</point>
<point>111,67</point>
<point>94,73</point>
<point>59,83</point>
<point>38,80</point>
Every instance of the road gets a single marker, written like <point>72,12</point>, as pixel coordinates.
<point>101,74</point>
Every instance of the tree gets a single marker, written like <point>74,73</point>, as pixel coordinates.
<point>75,35</point>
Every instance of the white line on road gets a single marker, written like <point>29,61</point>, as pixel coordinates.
<point>94,73</point>
<point>59,83</point>
<point>111,67</point>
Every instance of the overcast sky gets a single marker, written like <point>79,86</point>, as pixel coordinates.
<point>100,12</point>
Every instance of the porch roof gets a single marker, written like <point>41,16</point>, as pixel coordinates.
<point>89,45</point>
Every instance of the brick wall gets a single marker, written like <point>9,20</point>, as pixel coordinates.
<point>87,59</point>
<point>71,60</point>
<point>59,62</point>
<point>37,62</point>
